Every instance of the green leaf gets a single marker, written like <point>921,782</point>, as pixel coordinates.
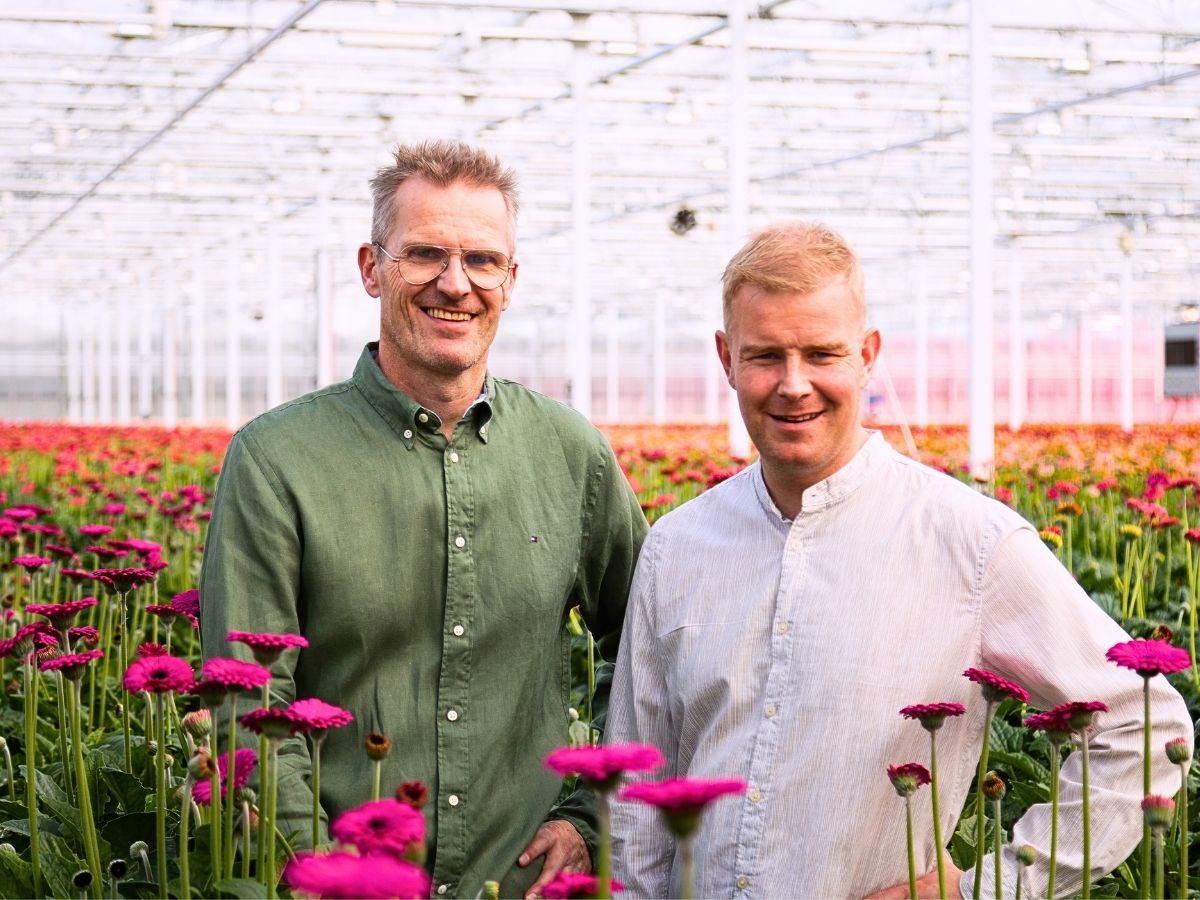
<point>138,889</point>
<point>125,830</point>
<point>241,888</point>
<point>16,875</point>
<point>1004,738</point>
<point>59,865</point>
<point>128,790</point>
<point>1018,763</point>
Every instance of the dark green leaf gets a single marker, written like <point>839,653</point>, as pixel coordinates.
<point>241,888</point>
<point>59,865</point>
<point>16,875</point>
<point>128,790</point>
<point>124,830</point>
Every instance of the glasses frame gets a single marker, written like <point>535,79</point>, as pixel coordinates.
<point>450,251</point>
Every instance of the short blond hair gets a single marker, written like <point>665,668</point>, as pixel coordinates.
<point>793,258</point>
<point>443,163</point>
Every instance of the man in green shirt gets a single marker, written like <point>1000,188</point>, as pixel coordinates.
<point>428,528</point>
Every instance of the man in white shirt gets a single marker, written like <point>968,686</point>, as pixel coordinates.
<point>779,622</point>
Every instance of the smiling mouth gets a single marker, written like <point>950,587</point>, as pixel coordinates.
<point>448,315</point>
<point>791,420</point>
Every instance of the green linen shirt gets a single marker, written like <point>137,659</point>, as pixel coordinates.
<point>433,580</point>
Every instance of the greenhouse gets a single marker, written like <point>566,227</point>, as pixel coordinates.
<point>187,245</point>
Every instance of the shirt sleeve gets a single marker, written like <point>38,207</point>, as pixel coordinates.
<point>1042,630</point>
<point>643,850</point>
<point>615,529</point>
<point>250,581</point>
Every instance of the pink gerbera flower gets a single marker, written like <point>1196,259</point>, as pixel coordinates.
<point>1078,713</point>
<point>245,760</point>
<point>31,563</point>
<point>187,602</point>
<point>61,614</point>
<point>235,674</point>
<point>94,531</point>
<point>266,647</point>
<point>274,722</point>
<point>566,885</point>
<point>159,675</point>
<point>1149,658</point>
<point>996,687</point>
<point>381,826</point>
<point>345,875</point>
<point>932,715</point>
<point>124,580</point>
<point>1056,725</point>
<point>149,648</point>
<point>602,766</point>
<point>908,777</point>
<point>71,664</point>
<point>311,714</point>
<point>88,634</point>
<point>682,800</point>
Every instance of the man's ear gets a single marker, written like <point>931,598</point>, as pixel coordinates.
<point>368,270</point>
<point>725,352</point>
<point>871,344</point>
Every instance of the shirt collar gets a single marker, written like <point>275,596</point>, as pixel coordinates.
<point>404,415</point>
<point>840,484</point>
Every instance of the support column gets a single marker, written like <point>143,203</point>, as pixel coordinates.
<point>87,337</point>
<point>145,382</point>
<point>233,334</point>
<point>581,214</point>
<point>124,359</point>
<point>981,426</point>
<point>922,340</point>
<point>739,184</point>
<point>169,316</point>
<point>198,351</point>
<point>104,360</point>
<point>74,353</point>
<point>1086,415</point>
<point>1126,244</point>
<point>1017,387</point>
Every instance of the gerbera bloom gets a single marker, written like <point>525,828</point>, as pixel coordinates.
<point>1158,811</point>
<point>266,647</point>
<point>149,648</point>
<point>1056,725</point>
<point>311,714</point>
<point>602,766</point>
<point>682,800</point>
<point>245,759</point>
<point>88,634</point>
<point>1078,713</point>
<point>164,611</point>
<point>1149,658</point>
<point>380,826</point>
<point>31,563</point>
<point>377,745</point>
<point>71,664</point>
<point>187,602</point>
<point>235,674</point>
<point>567,885</point>
<point>274,722</point>
<point>996,687</point>
<point>932,715</point>
<point>416,795</point>
<point>908,777</point>
<point>61,614</point>
<point>346,875</point>
<point>124,580</point>
<point>212,693</point>
<point>1178,750</point>
<point>93,531</point>
<point>159,675</point>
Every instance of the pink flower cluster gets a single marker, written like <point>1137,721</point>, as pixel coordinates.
<point>603,765</point>
<point>381,826</point>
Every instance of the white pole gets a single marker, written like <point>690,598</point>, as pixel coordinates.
<point>170,355</point>
<point>233,334</point>
<point>198,351</point>
<point>982,375</point>
<point>84,314</point>
<point>71,337</point>
<point>104,360</point>
<point>273,323</point>
<point>612,362</point>
<point>1016,344</point>
<point>581,213</point>
<point>326,364</point>
<point>124,360</point>
<point>146,306</point>
<point>1086,415</point>
<point>1126,244</point>
<point>739,180</point>
<point>922,341</point>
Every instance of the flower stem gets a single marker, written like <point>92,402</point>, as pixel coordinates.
<point>1183,830</point>
<point>1158,864</point>
<point>912,862</point>
<point>979,814</point>
<point>375,779</point>
<point>245,838</point>
<point>604,848</point>
<point>12,776</point>
<point>215,822</point>
<point>1055,761</point>
<point>687,867</point>
<point>997,834</point>
<point>264,779</point>
<point>272,805</point>
<point>185,879</point>
<point>31,689</point>
<point>937,819</point>
<point>1087,822</point>
<point>91,845</point>
<point>227,836</point>
<point>1020,873</point>
<point>316,787</point>
<point>1145,889</point>
<point>63,686</point>
<point>160,799</point>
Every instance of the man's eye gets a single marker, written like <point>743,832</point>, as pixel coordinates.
<point>483,259</point>
<point>421,253</point>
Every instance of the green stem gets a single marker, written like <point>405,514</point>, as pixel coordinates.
<point>316,786</point>
<point>227,836</point>
<point>1145,888</point>
<point>1055,758</point>
<point>687,869</point>
<point>91,844</point>
<point>8,767</point>
<point>937,819</point>
<point>264,779</point>
<point>912,862</point>
<point>1183,831</point>
<point>185,814</point>
<point>245,838</point>
<point>979,815</point>
<point>1087,822</point>
<point>604,847</point>
<point>1020,873</point>
<point>61,703</point>
<point>997,834</point>
<point>215,822</point>
<point>160,798</point>
<point>375,779</point>
<point>31,688</point>
<point>272,805</point>
<point>1158,864</point>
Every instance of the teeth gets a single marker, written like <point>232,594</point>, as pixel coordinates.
<point>448,315</point>
<point>804,418</point>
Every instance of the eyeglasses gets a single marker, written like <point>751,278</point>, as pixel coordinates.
<point>422,263</point>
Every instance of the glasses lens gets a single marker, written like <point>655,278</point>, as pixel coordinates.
<point>487,269</point>
<point>420,264</point>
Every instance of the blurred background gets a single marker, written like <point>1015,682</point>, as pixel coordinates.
<point>183,188</point>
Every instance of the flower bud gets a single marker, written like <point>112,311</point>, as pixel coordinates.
<point>1158,812</point>
<point>377,746</point>
<point>491,890</point>
<point>82,880</point>
<point>1177,751</point>
<point>198,724</point>
<point>993,786</point>
<point>414,793</point>
<point>118,869</point>
<point>201,766</point>
<point>1026,855</point>
<point>1162,633</point>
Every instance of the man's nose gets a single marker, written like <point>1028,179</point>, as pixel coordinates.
<point>453,282</point>
<point>795,381</point>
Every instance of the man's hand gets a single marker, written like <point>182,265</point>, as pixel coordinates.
<point>564,849</point>
<point>927,886</point>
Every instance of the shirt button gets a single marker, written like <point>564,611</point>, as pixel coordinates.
<point>781,628</point>
<point>742,882</point>
<point>460,542</point>
<point>442,888</point>
<point>755,796</point>
<point>453,457</point>
<point>407,434</point>
<point>452,715</point>
<point>458,630</point>
<point>452,799</point>
<point>483,429</point>
<point>422,418</point>
<point>770,710</point>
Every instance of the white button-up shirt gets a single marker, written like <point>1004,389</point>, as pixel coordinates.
<point>782,651</point>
